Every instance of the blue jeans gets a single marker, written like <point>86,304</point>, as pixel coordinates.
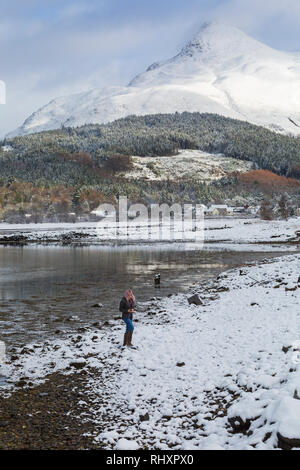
<point>129,325</point>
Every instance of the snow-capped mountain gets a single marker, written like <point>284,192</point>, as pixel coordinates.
<point>221,70</point>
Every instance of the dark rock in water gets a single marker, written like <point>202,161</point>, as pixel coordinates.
<point>180,364</point>
<point>287,444</point>
<point>145,417</point>
<point>82,329</point>
<point>97,306</point>
<point>78,365</point>
<point>195,300</point>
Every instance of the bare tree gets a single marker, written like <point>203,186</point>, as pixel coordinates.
<point>267,210</point>
<point>284,208</point>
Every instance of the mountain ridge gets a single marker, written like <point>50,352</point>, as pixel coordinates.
<point>220,70</point>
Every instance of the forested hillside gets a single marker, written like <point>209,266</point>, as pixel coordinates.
<point>39,155</point>
<point>92,157</point>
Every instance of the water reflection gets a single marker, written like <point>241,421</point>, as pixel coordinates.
<point>42,287</point>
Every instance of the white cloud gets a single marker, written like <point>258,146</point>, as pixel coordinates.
<point>75,10</point>
<point>275,21</point>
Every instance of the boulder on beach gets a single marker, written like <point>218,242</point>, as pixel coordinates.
<point>287,415</point>
<point>195,300</point>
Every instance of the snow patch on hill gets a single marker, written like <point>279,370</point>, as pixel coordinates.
<point>189,164</point>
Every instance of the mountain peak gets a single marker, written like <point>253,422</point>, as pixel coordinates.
<point>221,70</point>
<point>219,36</point>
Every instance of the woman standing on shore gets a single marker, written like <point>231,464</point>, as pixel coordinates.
<point>127,305</point>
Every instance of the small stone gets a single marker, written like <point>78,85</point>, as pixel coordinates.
<point>82,330</point>
<point>21,383</point>
<point>239,425</point>
<point>286,443</point>
<point>145,417</point>
<point>78,365</point>
<point>180,364</point>
<point>195,300</point>
<point>296,396</point>
<point>223,289</point>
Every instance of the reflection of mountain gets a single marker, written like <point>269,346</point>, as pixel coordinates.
<point>222,70</point>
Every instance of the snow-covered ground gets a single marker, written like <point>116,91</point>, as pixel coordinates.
<point>251,230</point>
<point>236,232</point>
<point>223,375</point>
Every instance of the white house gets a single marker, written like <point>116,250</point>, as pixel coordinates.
<point>219,210</point>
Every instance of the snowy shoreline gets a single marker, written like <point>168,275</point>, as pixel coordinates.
<point>224,375</point>
<point>224,231</point>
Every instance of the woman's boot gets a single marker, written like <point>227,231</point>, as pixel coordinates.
<point>130,339</point>
<point>125,342</point>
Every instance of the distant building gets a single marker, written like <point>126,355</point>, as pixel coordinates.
<point>239,210</point>
<point>219,210</point>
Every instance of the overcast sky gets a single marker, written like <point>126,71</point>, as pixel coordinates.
<point>54,47</point>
